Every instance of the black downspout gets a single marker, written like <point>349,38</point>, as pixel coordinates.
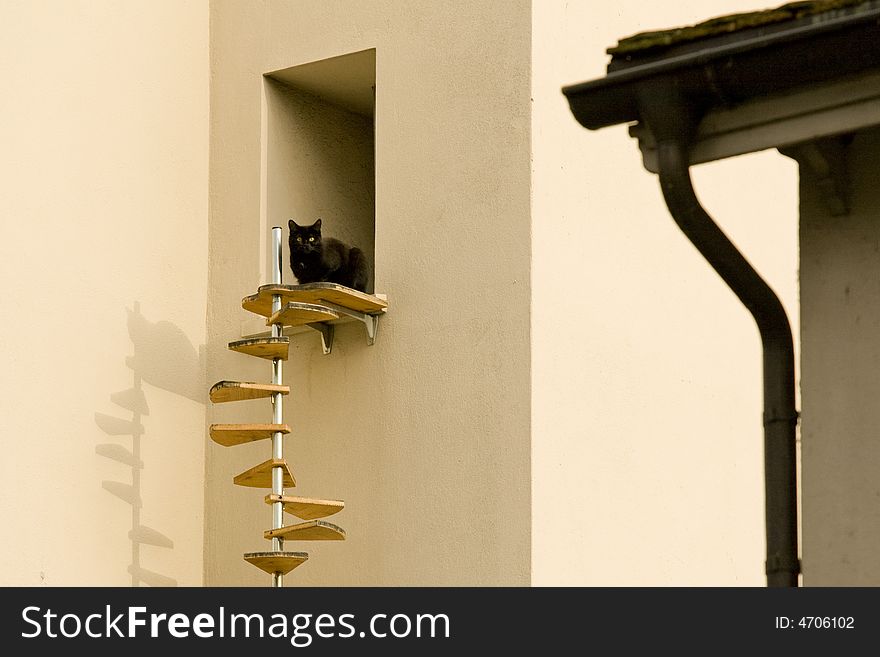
<point>672,122</point>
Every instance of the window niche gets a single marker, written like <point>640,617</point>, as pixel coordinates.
<point>318,158</point>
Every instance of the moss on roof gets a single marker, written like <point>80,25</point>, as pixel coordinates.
<point>645,41</point>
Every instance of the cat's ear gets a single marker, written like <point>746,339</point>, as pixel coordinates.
<point>290,224</point>
<point>317,225</point>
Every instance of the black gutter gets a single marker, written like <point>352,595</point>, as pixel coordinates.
<point>670,95</point>
<point>672,124</point>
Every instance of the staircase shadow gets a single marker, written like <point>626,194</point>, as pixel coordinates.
<point>168,373</point>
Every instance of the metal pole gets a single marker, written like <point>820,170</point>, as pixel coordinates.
<point>278,438</point>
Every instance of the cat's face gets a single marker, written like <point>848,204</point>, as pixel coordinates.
<point>304,239</point>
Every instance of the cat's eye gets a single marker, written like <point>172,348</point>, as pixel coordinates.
<point>311,239</point>
<point>299,239</point>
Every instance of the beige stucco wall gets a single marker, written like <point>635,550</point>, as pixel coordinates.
<point>426,434</point>
<point>646,370</point>
<point>103,254</point>
<point>840,297</point>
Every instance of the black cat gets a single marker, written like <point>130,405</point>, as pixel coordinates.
<point>314,259</point>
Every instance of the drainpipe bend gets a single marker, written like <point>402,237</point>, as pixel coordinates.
<point>780,415</point>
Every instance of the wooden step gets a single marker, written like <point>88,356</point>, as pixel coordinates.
<point>313,530</point>
<point>297,314</point>
<point>276,562</point>
<point>263,347</point>
<point>260,476</point>
<point>228,391</point>
<point>229,435</point>
<point>261,302</point>
<point>306,507</point>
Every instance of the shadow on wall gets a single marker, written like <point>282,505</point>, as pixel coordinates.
<point>180,356</point>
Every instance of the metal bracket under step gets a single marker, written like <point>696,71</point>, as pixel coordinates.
<point>326,331</point>
<point>371,322</point>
